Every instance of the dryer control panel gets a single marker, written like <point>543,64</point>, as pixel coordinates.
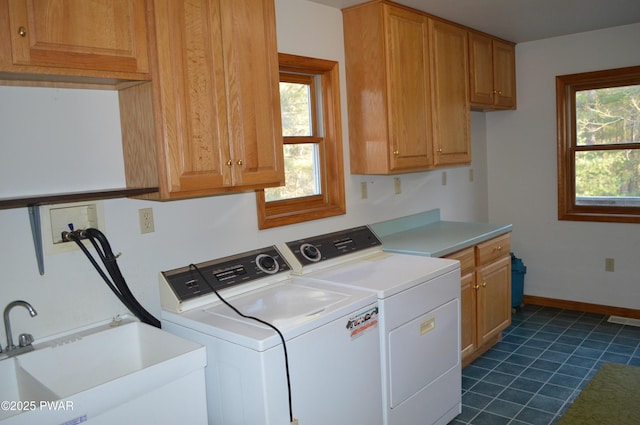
<point>199,280</point>
<point>333,245</point>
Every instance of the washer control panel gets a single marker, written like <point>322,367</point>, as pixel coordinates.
<point>333,245</point>
<point>197,280</point>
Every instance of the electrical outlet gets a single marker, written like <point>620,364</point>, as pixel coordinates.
<point>470,174</point>
<point>363,190</point>
<point>397,186</point>
<point>146,220</point>
<point>609,264</point>
<point>444,178</point>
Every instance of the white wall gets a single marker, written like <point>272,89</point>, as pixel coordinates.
<point>83,123</point>
<point>564,259</point>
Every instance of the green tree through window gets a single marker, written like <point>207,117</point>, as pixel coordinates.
<point>605,117</point>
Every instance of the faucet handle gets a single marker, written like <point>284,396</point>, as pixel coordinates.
<point>25,340</point>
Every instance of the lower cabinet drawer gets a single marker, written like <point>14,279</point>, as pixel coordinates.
<point>493,249</point>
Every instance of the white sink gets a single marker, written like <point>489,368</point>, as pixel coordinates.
<point>17,386</point>
<point>86,375</point>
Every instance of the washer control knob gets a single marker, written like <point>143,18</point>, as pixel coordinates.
<point>267,263</point>
<point>310,252</point>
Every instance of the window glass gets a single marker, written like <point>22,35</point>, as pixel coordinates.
<point>295,104</point>
<point>609,177</point>
<point>608,116</point>
<point>302,166</point>
<point>302,177</point>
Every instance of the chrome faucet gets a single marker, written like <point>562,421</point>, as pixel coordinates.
<point>25,340</point>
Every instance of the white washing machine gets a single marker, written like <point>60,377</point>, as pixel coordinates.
<point>419,300</point>
<point>330,332</point>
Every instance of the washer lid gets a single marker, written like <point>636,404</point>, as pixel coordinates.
<point>295,306</point>
<point>284,306</point>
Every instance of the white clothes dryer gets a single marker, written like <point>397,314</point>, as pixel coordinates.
<point>330,332</point>
<point>419,301</point>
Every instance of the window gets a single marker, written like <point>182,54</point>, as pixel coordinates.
<point>598,118</point>
<point>311,128</point>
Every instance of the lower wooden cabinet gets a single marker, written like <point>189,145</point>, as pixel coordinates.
<point>493,302</point>
<point>485,296</point>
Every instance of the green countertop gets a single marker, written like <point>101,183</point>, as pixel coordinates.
<point>425,234</point>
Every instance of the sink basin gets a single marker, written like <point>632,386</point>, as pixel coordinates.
<point>17,385</point>
<point>92,373</point>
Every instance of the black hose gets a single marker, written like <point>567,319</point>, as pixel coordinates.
<point>118,278</point>
<point>118,284</point>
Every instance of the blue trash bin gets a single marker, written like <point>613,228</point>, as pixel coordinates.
<point>518,270</point>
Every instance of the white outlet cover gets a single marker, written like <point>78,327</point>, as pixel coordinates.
<point>55,219</point>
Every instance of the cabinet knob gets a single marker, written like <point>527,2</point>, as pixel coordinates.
<point>476,286</point>
<point>499,248</point>
<point>239,162</point>
<point>229,163</point>
<point>22,31</point>
<point>439,150</point>
<point>396,153</point>
<point>484,284</point>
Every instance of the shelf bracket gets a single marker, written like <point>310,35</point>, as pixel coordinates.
<point>36,231</point>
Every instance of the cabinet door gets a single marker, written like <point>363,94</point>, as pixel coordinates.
<point>190,79</point>
<point>494,299</point>
<point>408,88</point>
<point>80,34</point>
<point>504,70</point>
<point>253,94</point>
<point>468,322</point>
<point>481,69</point>
<point>450,93</point>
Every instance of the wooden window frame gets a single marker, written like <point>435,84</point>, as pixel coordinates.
<point>566,87</point>
<point>331,202</point>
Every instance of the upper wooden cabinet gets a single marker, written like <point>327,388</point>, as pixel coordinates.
<point>388,89</point>
<point>493,72</point>
<point>210,121</point>
<point>104,39</point>
<point>407,90</point>
<point>450,94</point>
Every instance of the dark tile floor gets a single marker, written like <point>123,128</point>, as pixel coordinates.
<point>545,358</point>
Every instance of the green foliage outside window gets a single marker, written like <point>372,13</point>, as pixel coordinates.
<point>300,159</point>
<point>606,117</point>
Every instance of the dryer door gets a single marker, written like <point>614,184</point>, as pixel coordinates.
<point>420,351</point>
